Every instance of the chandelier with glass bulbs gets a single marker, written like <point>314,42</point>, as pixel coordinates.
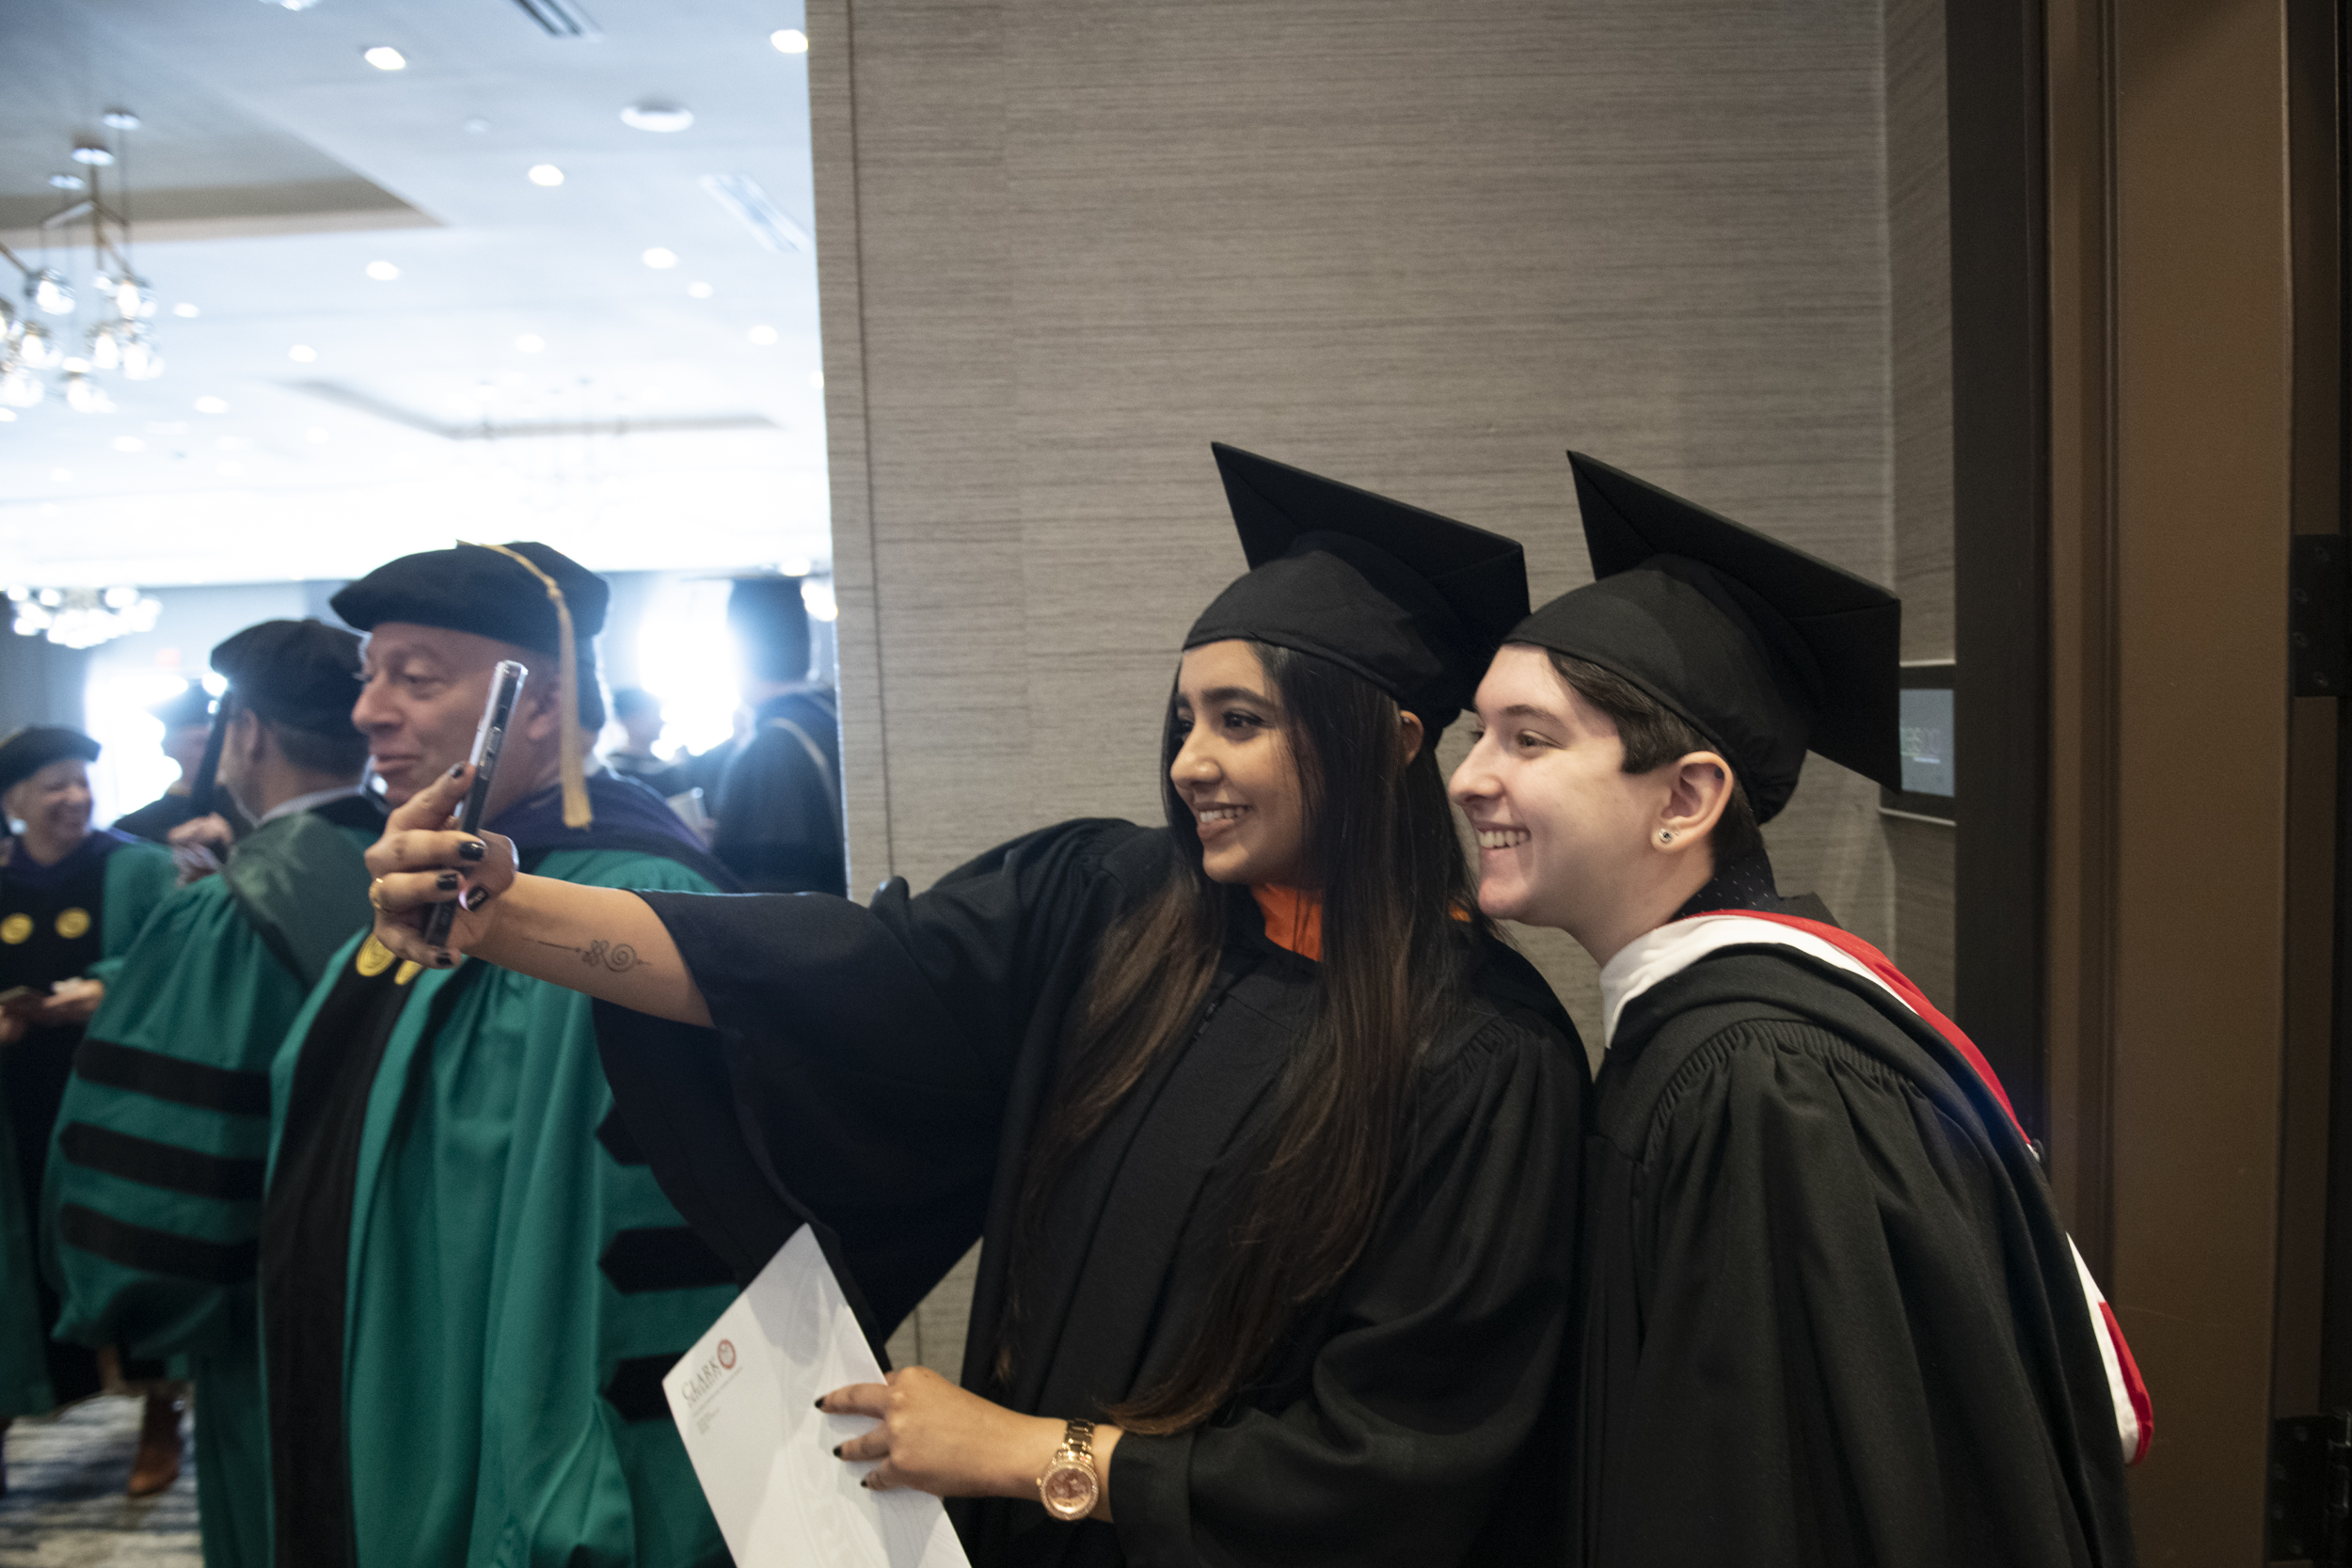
<point>82,617</point>
<point>119,342</point>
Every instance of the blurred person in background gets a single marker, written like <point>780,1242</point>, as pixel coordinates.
<point>780,807</point>
<point>154,1200</point>
<point>72,899</point>
<point>187,719</point>
<point>637,712</point>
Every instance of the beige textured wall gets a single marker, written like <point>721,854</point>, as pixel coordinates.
<point>1919,270</point>
<point>1422,247</point>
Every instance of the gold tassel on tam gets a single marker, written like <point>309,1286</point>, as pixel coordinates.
<point>574,744</point>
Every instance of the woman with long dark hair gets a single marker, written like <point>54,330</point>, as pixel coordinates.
<point>1269,1137</point>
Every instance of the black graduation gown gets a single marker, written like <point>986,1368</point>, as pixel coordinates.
<point>1829,1313</point>
<point>779,803</point>
<point>881,1070</point>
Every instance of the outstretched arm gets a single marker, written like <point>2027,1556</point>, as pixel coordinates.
<point>604,941</point>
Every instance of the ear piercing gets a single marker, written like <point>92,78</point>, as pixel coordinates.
<point>1665,835</point>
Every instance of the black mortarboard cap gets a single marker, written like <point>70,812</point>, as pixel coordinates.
<point>300,674</point>
<point>190,704</point>
<point>1412,602</point>
<point>477,589</point>
<point>1766,651</point>
<point>770,622</point>
<point>35,747</point>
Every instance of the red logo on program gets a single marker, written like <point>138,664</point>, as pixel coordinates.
<point>726,1353</point>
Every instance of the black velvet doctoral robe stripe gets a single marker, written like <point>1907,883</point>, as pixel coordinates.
<point>888,1063</point>
<point>1829,1312</point>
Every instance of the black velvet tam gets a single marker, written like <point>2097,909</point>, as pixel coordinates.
<point>1410,601</point>
<point>35,747</point>
<point>473,588</point>
<point>1766,651</point>
<point>305,673</point>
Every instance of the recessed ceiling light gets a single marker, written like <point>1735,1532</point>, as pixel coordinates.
<point>796,566</point>
<point>660,256</point>
<point>292,5</point>
<point>120,120</point>
<point>531,343</point>
<point>97,157</point>
<point>233,443</point>
<point>789,40</point>
<point>210,405</point>
<point>7,416</point>
<point>129,443</point>
<point>655,116</point>
<point>816,379</point>
<point>229,467</point>
<point>545,174</point>
<point>61,476</point>
<point>383,272</point>
<point>183,309</point>
<point>698,290</point>
<point>69,181</point>
<point>302,354</point>
<point>384,58</point>
<point>316,435</point>
<point>762,335</point>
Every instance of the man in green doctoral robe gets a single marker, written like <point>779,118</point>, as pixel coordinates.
<point>471,1283</point>
<point>154,1181</point>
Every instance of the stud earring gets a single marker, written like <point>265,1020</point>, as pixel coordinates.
<point>1665,835</point>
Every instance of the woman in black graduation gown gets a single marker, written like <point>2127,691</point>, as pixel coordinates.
<point>1828,1315</point>
<point>1288,1226</point>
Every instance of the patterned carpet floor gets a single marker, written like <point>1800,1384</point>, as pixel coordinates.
<point>65,1507</point>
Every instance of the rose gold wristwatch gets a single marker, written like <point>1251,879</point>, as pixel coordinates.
<point>1068,1485</point>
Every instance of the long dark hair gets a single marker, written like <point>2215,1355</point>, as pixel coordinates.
<point>1399,913</point>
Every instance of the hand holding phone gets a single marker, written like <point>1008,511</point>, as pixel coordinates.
<point>506,685</point>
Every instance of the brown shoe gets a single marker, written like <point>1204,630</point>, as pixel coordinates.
<point>158,1463</point>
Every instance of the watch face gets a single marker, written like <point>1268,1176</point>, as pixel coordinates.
<point>1069,1489</point>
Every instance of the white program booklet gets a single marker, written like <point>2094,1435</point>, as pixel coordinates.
<point>744,1399</point>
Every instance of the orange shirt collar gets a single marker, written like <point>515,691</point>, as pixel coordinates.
<point>1294,919</point>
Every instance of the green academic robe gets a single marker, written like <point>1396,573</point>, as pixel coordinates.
<point>478,1381</point>
<point>154,1184</point>
<point>79,922</point>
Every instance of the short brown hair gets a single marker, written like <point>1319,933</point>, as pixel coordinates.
<point>1653,737</point>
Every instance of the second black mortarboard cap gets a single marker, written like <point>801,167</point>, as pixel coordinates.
<point>1412,602</point>
<point>1766,651</point>
<point>301,673</point>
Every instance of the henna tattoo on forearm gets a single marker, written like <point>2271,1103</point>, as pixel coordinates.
<point>620,958</point>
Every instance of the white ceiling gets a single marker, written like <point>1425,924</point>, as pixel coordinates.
<point>273,166</point>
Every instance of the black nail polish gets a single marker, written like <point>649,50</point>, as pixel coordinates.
<point>471,849</point>
<point>836,1450</point>
<point>441,959</point>
<point>820,1405</point>
<point>447,882</point>
<point>473,898</point>
<point>457,771</point>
